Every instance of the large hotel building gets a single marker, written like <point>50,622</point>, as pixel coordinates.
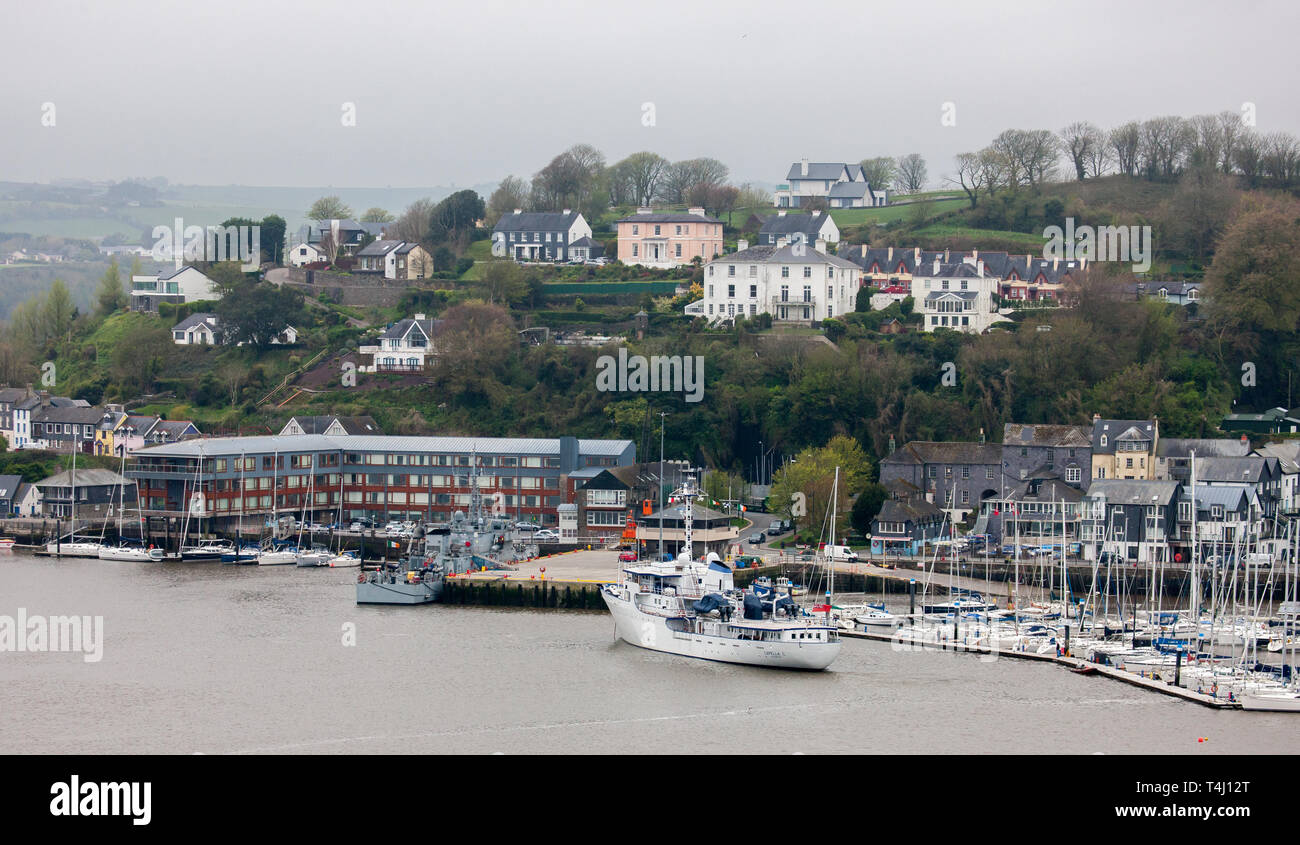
<point>327,478</point>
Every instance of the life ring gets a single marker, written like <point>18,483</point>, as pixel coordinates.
<point>361,579</point>
<point>1214,689</point>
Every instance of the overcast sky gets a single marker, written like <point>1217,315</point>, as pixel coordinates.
<point>252,91</point>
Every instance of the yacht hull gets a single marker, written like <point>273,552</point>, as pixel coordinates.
<point>650,631</point>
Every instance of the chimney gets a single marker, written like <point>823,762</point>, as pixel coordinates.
<point>936,265</point>
<point>696,212</point>
<point>1096,418</point>
<point>820,245</point>
<point>45,398</point>
<point>980,266</point>
<point>946,256</point>
<point>803,167</point>
<point>916,256</point>
<point>891,254</point>
<point>419,316</point>
<point>742,245</point>
<point>644,209</point>
<point>781,213</point>
<point>975,253</point>
<point>1055,261</point>
<point>519,211</point>
<point>567,210</point>
<point>782,241</point>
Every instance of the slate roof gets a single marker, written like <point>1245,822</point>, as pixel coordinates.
<point>86,478</point>
<point>771,254</point>
<point>790,224</point>
<point>911,510</point>
<point>1114,429</point>
<point>822,170</point>
<point>9,486</point>
<point>1019,434</point>
<point>1182,447</point>
<point>536,221</point>
<point>1228,497</point>
<point>399,329</point>
<point>352,425</point>
<point>218,446</point>
<point>667,217</point>
<point>194,320</point>
<point>849,190</point>
<point>378,249</point>
<point>1245,470</point>
<point>936,452</point>
<point>1118,491</point>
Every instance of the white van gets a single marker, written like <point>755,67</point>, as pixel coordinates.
<point>840,553</point>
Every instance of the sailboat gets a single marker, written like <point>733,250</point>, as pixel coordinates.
<point>122,551</point>
<point>73,547</point>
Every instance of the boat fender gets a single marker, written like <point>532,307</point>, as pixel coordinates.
<point>361,579</point>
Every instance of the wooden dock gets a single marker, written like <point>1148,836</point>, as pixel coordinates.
<point>1152,684</point>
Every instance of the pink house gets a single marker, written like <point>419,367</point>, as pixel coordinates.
<point>668,239</point>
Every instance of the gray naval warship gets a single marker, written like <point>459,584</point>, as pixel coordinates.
<point>463,545</point>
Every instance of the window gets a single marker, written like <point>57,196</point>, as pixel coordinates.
<point>636,230</point>
<point>988,472</point>
<point>807,272</point>
<point>785,272</point>
<point>679,248</point>
<point>1072,475</point>
<point>1185,511</point>
<point>1103,441</point>
<point>731,291</point>
<point>731,270</point>
<point>657,228</point>
<point>634,250</point>
<point>1216,512</point>
<point>965,472</point>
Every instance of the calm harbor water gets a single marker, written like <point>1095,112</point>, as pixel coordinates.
<point>222,659</point>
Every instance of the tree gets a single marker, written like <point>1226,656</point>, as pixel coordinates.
<point>273,227</point>
<point>377,215</point>
<point>1080,140</point>
<point>911,175</point>
<point>1125,142</point>
<point>680,177</point>
<point>453,220</point>
<point>256,312</point>
<point>475,340</point>
<point>866,506</point>
<point>413,225</point>
<point>227,277</point>
<point>511,194</point>
<point>503,282</point>
<point>812,473</point>
<point>111,296</point>
<point>59,311</point>
<point>1254,281</point>
<point>641,173</point>
<point>879,172</point>
<point>971,176</point>
<point>328,208</point>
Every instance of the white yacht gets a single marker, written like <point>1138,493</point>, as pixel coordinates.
<point>691,608</point>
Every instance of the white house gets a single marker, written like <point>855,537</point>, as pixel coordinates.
<point>184,285</point>
<point>404,346</point>
<point>205,330</point>
<point>958,295</point>
<point>538,235</point>
<point>798,228</point>
<point>795,283</point>
<point>305,253</point>
<point>843,185</point>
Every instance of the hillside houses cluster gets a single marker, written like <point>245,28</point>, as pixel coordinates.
<point>1113,491</point>
<point>37,420</point>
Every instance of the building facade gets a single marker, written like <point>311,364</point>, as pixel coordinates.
<point>668,239</point>
<point>328,478</point>
<point>538,235</point>
<point>794,283</point>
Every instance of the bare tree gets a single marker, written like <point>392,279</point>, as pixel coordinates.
<point>1248,157</point>
<point>1079,140</point>
<point>511,194</point>
<point>1281,161</point>
<point>642,172</point>
<point>1230,131</point>
<point>1125,142</point>
<point>911,176</point>
<point>970,176</point>
<point>413,225</point>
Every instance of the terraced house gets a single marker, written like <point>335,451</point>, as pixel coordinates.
<point>958,295</point>
<point>328,478</point>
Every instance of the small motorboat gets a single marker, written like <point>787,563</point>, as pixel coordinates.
<point>1085,670</point>
<point>6,543</point>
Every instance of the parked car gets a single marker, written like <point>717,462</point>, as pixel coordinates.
<point>774,529</point>
<point>787,525</point>
<point>527,526</point>
<point>627,557</point>
<point>598,262</point>
<point>841,553</point>
<point>756,539</point>
<point>546,535</point>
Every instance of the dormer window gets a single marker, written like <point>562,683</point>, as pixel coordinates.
<point>1103,441</point>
